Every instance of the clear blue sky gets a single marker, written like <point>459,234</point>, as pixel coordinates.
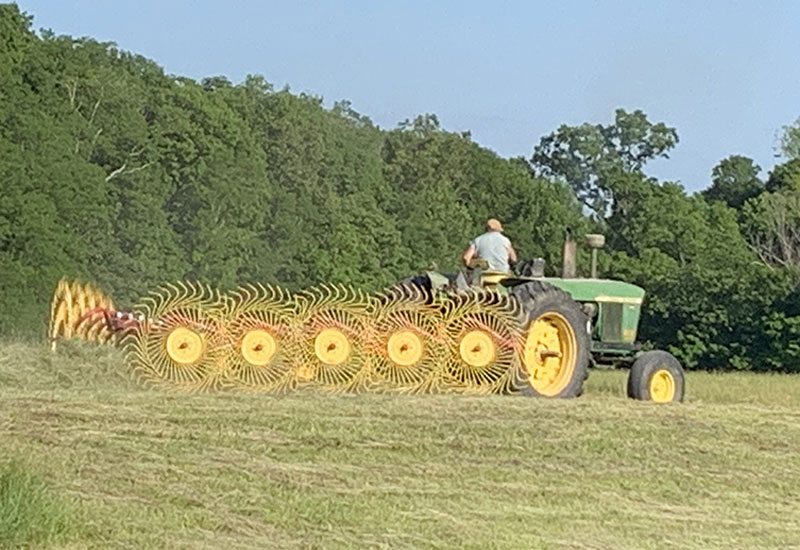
<point>725,74</point>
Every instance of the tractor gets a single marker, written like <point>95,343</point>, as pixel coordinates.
<point>571,324</point>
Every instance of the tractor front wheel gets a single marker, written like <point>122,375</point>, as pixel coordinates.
<point>656,376</point>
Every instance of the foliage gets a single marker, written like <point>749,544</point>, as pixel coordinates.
<point>706,286</point>
<point>785,176</point>
<point>734,180</point>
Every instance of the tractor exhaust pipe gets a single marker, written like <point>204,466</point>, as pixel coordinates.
<point>595,242</point>
<point>568,258</point>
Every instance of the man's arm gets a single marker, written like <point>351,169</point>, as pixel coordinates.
<point>469,253</point>
<point>512,254</point>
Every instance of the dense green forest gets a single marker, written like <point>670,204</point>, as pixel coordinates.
<point>115,172</point>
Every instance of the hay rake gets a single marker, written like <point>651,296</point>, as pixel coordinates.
<point>260,338</point>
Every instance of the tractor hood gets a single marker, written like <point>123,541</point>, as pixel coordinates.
<point>589,290</point>
<point>599,290</point>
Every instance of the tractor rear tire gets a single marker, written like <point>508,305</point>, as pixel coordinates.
<point>554,360</point>
<point>656,376</point>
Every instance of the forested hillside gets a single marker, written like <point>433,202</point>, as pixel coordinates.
<point>115,172</point>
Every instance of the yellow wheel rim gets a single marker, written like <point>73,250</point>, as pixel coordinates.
<point>332,347</point>
<point>662,386</point>
<point>550,354</point>
<point>185,346</point>
<point>258,347</point>
<point>477,348</point>
<point>404,348</point>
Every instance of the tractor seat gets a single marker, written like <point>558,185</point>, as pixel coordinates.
<point>493,277</point>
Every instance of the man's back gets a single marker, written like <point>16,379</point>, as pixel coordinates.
<point>493,247</point>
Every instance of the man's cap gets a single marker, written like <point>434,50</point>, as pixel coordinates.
<point>493,225</point>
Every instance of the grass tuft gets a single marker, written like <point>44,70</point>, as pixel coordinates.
<point>31,513</point>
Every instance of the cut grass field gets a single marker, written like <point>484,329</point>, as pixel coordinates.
<point>129,467</point>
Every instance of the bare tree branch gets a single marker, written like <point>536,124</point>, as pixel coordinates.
<point>776,236</point>
<point>125,170</point>
<point>94,111</point>
<point>72,91</point>
<point>94,139</point>
<point>117,172</point>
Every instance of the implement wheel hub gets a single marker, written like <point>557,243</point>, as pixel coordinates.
<point>404,348</point>
<point>550,354</point>
<point>662,386</point>
<point>332,347</point>
<point>258,347</point>
<point>185,346</point>
<point>477,348</point>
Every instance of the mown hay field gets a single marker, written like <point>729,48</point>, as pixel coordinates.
<point>116,465</point>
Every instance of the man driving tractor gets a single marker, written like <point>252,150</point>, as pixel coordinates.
<point>493,247</point>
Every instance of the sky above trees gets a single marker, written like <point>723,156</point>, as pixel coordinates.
<point>723,73</point>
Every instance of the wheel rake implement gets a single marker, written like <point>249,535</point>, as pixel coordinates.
<point>334,326</point>
<point>407,343</point>
<point>191,337</point>
<point>183,342</point>
<point>484,341</point>
<point>475,332</point>
<point>262,327</point>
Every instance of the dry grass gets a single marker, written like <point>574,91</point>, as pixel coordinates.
<point>149,469</point>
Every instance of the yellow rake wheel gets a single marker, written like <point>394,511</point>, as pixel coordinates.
<point>258,347</point>
<point>185,346</point>
<point>70,312</point>
<point>407,344</point>
<point>483,329</point>
<point>334,324</point>
<point>405,348</point>
<point>182,342</point>
<point>477,348</point>
<point>332,347</point>
<point>260,326</point>
<point>550,354</point>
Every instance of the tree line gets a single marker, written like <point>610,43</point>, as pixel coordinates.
<point>115,172</point>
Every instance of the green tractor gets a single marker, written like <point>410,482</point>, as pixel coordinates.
<point>570,324</point>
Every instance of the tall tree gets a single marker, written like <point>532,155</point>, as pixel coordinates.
<point>54,209</point>
<point>592,157</point>
<point>15,36</point>
<point>734,181</point>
